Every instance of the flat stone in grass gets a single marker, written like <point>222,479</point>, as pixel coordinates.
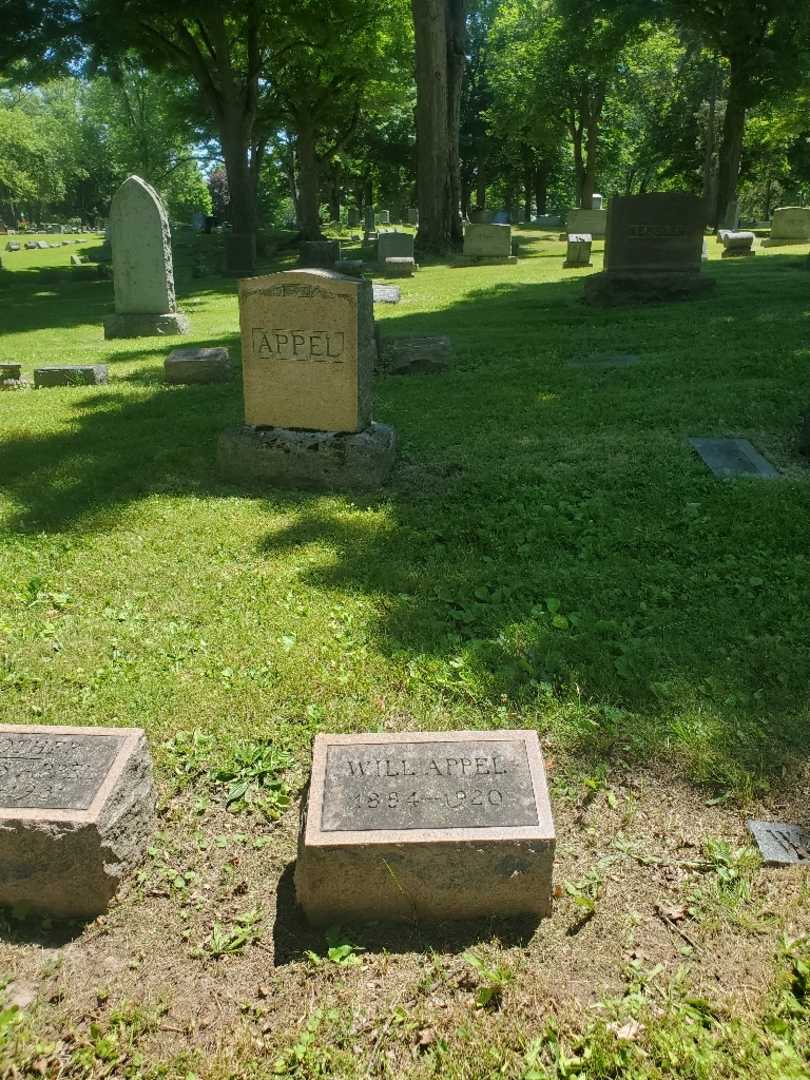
<point>77,809</point>
<point>143,275</point>
<point>415,355</point>
<point>606,360</point>
<point>189,366</point>
<point>70,375</point>
<point>579,251</point>
<point>733,457</point>
<point>780,843</point>
<point>386,294</point>
<point>10,371</point>
<point>76,260</point>
<point>43,245</point>
<point>737,244</point>
<point>399,267</point>
<point>12,246</point>
<point>430,826</point>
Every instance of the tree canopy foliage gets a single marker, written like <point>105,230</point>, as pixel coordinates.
<point>297,111</point>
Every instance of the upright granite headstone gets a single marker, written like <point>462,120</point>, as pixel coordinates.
<point>789,225</point>
<point>579,251</point>
<point>77,809</point>
<point>369,220</point>
<point>427,826</point>
<point>596,202</point>
<point>736,244</point>
<point>383,217</point>
<point>143,276</point>
<point>394,245</point>
<point>488,244</point>
<point>587,221</point>
<point>321,254</point>
<point>413,215</point>
<point>653,250</point>
<point>308,356</point>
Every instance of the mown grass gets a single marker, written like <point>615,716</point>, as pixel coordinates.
<point>549,554</point>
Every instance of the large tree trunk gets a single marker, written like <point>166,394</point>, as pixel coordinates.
<point>731,146</point>
<point>309,189</point>
<point>456,16</point>
<point>481,186</point>
<point>432,150</point>
<point>709,151</point>
<point>579,165</point>
<point>541,188</point>
<point>240,245</point>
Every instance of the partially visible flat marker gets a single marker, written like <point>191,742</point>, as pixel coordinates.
<point>606,360</point>
<point>733,457</point>
<point>781,844</point>
<point>386,294</point>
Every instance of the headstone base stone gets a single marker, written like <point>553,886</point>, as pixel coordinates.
<point>611,289</point>
<point>70,375</point>
<point>325,460</point>
<point>399,267</point>
<point>486,260</point>
<point>77,809</point>
<point>144,325</point>
<point>189,366</point>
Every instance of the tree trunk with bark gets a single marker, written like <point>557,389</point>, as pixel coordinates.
<point>541,188</point>
<point>439,47</point>
<point>309,188</point>
<point>731,147</point>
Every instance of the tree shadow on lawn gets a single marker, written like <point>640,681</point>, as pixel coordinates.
<point>548,535</point>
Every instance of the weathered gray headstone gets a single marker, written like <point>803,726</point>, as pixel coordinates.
<point>413,215</point>
<point>399,267</point>
<point>12,245</point>
<point>76,813</point>
<point>321,254</point>
<point>484,244</point>
<point>70,375</point>
<point>578,252</point>
<point>394,245</point>
<point>427,826</point>
<point>383,217</point>
<point>737,244</point>
<point>191,366</point>
<point>596,202</point>
<point>780,843</point>
<point>587,221</point>
<point>143,276</point>
<point>733,457</point>
<point>415,355</point>
<point>652,250</point>
<point>789,225</point>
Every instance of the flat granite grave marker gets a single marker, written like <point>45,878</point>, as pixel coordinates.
<point>308,355</point>
<point>428,826</point>
<point>191,366</point>
<point>76,812</point>
<point>733,457</point>
<point>653,250</point>
<point>386,294</point>
<point>143,276</point>
<point>70,375</point>
<point>780,843</point>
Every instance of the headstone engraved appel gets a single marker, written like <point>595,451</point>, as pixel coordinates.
<point>76,812</point>
<point>780,843</point>
<point>733,457</point>
<point>427,826</point>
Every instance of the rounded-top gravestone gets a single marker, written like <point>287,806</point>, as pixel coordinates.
<point>143,274</point>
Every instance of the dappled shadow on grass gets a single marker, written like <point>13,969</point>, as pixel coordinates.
<point>549,536</point>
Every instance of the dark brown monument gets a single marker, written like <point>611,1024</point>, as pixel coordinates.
<point>653,250</point>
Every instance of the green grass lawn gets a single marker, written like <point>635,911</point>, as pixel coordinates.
<point>550,554</point>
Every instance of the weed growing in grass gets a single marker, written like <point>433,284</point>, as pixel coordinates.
<point>340,951</point>
<point>306,1057</point>
<point>244,930</point>
<point>493,981</point>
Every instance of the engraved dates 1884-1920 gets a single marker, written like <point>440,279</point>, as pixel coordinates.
<point>54,772</point>
<point>423,785</point>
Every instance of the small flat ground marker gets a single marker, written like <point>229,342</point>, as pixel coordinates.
<point>779,843</point>
<point>386,294</point>
<point>733,457</point>
<point>606,360</point>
